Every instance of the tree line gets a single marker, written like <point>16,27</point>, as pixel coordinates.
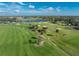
<point>68,20</point>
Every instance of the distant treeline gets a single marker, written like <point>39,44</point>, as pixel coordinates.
<point>68,20</point>
<point>72,20</point>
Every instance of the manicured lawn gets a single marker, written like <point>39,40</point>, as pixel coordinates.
<point>14,41</point>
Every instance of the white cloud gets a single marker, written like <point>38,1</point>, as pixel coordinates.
<point>58,9</point>
<point>50,8</point>
<point>21,3</point>
<point>31,6</point>
<point>17,11</point>
<point>47,10</point>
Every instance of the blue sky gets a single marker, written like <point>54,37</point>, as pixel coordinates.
<point>39,8</point>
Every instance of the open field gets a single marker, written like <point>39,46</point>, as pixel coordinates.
<point>14,41</point>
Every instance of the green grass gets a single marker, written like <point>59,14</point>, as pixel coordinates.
<point>14,41</point>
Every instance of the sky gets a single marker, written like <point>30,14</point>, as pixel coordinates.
<point>39,8</point>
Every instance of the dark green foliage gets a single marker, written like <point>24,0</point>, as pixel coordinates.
<point>49,34</point>
<point>34,37</point>
<point>33,27</point>
<point>32,41</point>
<point>57,31</point>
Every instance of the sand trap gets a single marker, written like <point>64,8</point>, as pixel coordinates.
<point>40,44</point>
